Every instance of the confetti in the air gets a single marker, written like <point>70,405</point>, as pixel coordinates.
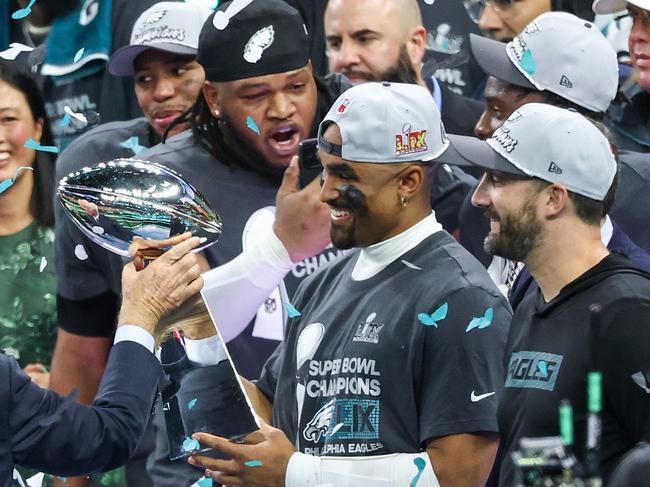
<point>78,117</point>
<point>528,63</point>
<point>482,321</point>
<point>79,54</point>
<point>43,264</point>
<point>32,144</point>
<point>15,48</point>
<point>8,183</point>
<point>65,121</point>
<point>203,482</point>
<point>21,13</point>
<point>433,318</point>
<point>291,310</point>
<point>222,18</point>
<point>250,123</point>
<point>98,230</point>
<point>411,266</point>
<point>36,480</point>
<point>190,444</point>
<point>421,465</point>
<point>253,463</point>
<point>80,252</point>
<point>133,143</point>
<point>192,403</point>
<point>336,428</point>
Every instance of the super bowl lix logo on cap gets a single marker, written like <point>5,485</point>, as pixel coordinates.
<point>258,43</point>
<point>409,141</point>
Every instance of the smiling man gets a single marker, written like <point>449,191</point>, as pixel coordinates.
<point>382,378</point>
<point>548,173</point>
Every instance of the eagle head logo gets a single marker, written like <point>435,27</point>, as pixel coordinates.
<point>155,17</point>
<point>258,43</point>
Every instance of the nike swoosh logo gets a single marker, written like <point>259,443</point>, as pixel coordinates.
<point>480,397</point>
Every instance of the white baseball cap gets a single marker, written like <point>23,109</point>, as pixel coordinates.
<point>167,26</point>
<point>613,6</point>
<point>557,52</point>
<point>385,123</point>
<point>546,142</point>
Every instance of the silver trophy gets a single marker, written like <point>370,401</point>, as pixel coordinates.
<point>113,202</point>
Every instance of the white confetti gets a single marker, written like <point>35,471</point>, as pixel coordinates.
<point>80,252</point>
<point>36,480</point>
<point>429,2</point>
<point>98,230</point>
<point>336,428</point>
<point>411,266</point>
<point>43,264</point>
<point>78,116</point>
<point>15,48</point>
<point>18,477</point>
<point>222,18</point>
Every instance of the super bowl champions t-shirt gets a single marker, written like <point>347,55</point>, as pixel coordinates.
<point>383,365</point>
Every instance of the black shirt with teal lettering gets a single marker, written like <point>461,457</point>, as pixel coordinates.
<point>551,348</point>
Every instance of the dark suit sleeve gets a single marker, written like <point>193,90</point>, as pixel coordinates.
<point>59,436</point>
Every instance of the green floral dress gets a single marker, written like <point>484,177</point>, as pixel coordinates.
<point>28,311</point>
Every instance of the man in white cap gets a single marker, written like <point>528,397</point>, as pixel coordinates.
<point>629,116</point>
<point>548,172</point>
<point>552,61</point>
<point>389,372</point>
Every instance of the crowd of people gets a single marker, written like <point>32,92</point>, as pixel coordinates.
<point>465,283</point>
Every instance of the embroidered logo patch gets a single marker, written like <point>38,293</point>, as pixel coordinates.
<point>409,141</point>
<point>258,43</point>
<point>344,105</point>
<point>504,139</point>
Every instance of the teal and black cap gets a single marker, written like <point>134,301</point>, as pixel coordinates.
<point>265,37</point>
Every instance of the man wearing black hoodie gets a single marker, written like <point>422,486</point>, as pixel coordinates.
<point>592,311</point>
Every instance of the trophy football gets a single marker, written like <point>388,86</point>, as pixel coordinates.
<point>117,201</point>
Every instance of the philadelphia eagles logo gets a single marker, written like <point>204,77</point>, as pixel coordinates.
<point>319,424</point>
<point>155,17</point>
<point>258,43</point>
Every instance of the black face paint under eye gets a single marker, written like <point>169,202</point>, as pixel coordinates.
<point>352,197</point>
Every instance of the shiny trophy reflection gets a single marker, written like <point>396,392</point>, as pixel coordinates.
<point>115,203</point>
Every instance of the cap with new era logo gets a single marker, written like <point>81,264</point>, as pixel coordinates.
<point>385,123</point>
<point>545,142</point>
<point>167,26</point>
<point>557,52</point>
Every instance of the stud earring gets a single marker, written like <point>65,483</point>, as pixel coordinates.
<point>403,201</point>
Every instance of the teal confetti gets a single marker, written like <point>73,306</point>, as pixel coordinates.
<point>32,144</point>
<point>542,366</point>
<point>78,55</point>
<point>528,63</point>
<point>8,183</point>
<point>421,465</point>
<point>65,121</point>
<point>433,318</point>
<point>204,482</point>
<point>482,321</point>
<point>133,144</point>
<point>250,123</point>
<point>21,13</point>
<point>192,403</point>
<point>291,311</point>
<point>190,444</point>
<point>253,463</point>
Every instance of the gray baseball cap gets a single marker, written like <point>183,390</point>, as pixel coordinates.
<point>546,142</point>
<point>167,26</point>
<point>613,6</point>
<point>558,52</point>
<point>385,123</point>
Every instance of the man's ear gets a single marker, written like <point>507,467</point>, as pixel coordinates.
<point>416,46</point>
<point>556,198</point>
<point>411,181</point>
<point>212,98</point>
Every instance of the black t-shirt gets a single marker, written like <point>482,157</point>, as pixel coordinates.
<point>548,357</point>
<point>360,374</point>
